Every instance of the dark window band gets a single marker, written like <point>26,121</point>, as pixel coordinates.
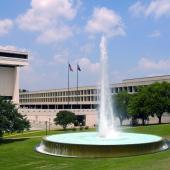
<point>13,55</point>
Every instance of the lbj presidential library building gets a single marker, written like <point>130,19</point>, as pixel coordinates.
<point>41,106</point>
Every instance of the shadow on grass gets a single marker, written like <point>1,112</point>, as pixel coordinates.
<point>12,140</point>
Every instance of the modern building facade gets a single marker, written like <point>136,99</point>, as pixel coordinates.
<point>10,61</point>
<point>41,106</point>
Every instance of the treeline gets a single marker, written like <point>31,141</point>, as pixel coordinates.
<point>152,100</point>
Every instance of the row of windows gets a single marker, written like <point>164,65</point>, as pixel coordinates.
<point>74,106</point>
<point>62,93</point>
<point>61,99</point>
<point>75,93</point>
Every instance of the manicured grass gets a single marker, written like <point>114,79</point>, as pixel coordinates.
<point>20,155</point>
<point>161,130</point>
<point>42,133</point>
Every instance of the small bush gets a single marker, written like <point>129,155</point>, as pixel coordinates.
<point>86,128</point>
<point>81,127</point>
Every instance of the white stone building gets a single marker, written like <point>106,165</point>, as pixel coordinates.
<point>10,61</point>
<point>41,106</point>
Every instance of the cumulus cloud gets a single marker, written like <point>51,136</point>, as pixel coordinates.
<point>156,8</point>
<point>87,65</point>
<point>155,34</point>
<point>137,8</point>
<point>48,18</point>
<point>60,58</point>
<point>105,21</point>
<point>5,26</point>
<point>148,64</point>
<point>55,35</point>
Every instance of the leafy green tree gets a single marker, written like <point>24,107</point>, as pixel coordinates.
<point>10,119</point>
<point>151,100</point>
<point>120,106</point>
<point>159,98</point>
<point>64,118</point>
<point>138,105</point>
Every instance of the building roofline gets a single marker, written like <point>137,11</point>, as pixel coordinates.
<point>13,51</point>
<point>82,87</point>
<point>147,77</point>
<point>57,89</point>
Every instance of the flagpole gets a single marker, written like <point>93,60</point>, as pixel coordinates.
<point>68,83</point>
<point>77,83</point>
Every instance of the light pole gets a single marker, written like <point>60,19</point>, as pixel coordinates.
<point>46,128</point>
<point>49,125</point>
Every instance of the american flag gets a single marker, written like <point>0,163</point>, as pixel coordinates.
<point>78,68</point>
<point>70,68</point>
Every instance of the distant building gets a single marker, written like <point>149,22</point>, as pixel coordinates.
<point>41,106</point>
<point>10,61</point>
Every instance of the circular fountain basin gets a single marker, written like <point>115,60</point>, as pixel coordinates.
<point>89,144</point>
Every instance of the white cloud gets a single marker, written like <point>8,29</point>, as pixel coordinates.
<point>156,8</point>
<point>105,21</point>
<point>155,34</point>
<point>44,14</point>
<point>148,64</point>
<point>55,35</point>
<point>87,65</point>
<point>60,58</point>
<point>137,8</point>
<point>48,18</point>
<point>5,26</point>
<point>87,48</point>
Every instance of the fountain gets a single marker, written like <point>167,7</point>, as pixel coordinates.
<point>107,142</point>
<point>106,123</point>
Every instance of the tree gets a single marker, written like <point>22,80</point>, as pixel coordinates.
<point>64,118</point>
<point>159,96</point>
<point>10,119</point>
<point>120,106</point>
<point>138,105</point>
<point>151,100</point>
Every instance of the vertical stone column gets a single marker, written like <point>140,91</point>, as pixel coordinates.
<point>15,97</point>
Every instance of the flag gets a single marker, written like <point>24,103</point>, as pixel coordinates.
<point>78,68</point>
<point>70,68</point>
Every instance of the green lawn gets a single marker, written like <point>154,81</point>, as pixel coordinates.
<point>19,154</point>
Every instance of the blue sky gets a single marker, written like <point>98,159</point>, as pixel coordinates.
<point>55,31</point>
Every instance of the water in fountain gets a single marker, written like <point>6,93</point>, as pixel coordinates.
<point>106,118</point>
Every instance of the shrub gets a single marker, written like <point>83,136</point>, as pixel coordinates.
<point>81,127</point>
<point>86,128</point>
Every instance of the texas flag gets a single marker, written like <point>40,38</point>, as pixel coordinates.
<point>78,68</point>
<point>70,68</point>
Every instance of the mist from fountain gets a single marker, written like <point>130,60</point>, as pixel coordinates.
<point>106,119</point>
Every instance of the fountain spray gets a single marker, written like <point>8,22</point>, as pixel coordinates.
<point>106,118</point>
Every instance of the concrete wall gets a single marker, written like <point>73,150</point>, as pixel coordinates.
<point>15,97</point>
<point>9,82</point>
<point>38,117</point>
